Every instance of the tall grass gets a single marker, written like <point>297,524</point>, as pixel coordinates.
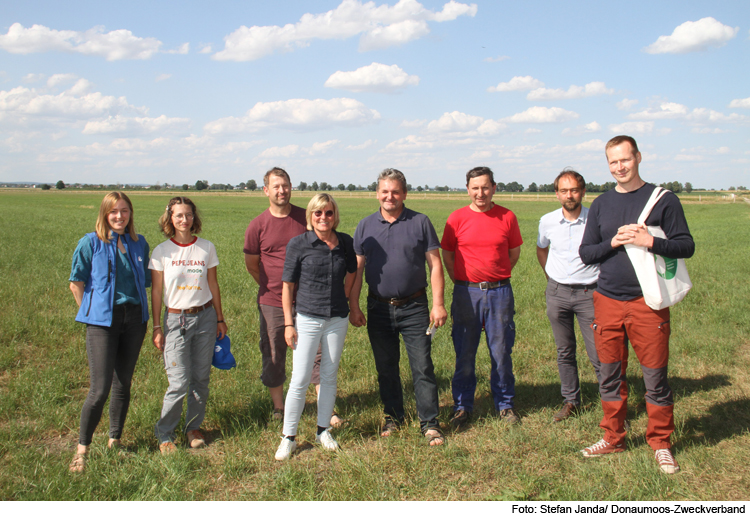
<point>44,380</point>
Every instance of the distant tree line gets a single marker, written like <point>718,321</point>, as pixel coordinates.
<point>252,185</point>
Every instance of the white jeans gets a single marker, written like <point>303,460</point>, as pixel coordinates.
<point>311,332</point>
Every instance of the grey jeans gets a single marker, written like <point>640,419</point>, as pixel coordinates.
<point>187,359</point>
<point>112,353</point>
<point>563,303</point>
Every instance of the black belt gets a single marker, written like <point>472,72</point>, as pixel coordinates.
<point>396,302</point>
<point>576,286</point>
<point>484,285</point>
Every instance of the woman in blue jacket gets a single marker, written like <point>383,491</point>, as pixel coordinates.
<point>108,279</point>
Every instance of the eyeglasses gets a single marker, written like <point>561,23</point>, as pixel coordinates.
<point>186,216</point>
<point>328,213</point>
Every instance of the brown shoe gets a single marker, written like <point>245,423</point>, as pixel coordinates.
<point>459,419</point>
<point>568,410</point>
<point>602,448</point>
<point>509,416</point>
<point>195,439</point>
<point>167,448</point>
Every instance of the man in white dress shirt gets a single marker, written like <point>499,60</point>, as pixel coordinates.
<point>570,284</point>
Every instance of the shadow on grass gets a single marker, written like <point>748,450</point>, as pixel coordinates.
<point>720,422</point>
<point>530,399</point>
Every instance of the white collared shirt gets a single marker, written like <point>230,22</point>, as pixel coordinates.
<point>563,237</point>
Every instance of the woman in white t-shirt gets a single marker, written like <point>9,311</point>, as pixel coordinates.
<point>184,278</point>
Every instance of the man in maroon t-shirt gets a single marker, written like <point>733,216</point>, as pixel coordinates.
<point>265,250</point>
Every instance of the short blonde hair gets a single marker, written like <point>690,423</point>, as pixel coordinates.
<point>165,221</point>
<point>103,229</point>
<point>316,204</point>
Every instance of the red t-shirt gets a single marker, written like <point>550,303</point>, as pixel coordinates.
<point>481,242</point>
<point>268,236</point>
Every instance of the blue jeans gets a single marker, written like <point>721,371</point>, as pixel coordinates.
<point>471,310</point>
<point>384,324</point>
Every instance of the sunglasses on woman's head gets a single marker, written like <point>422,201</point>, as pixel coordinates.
<point>328,213</point>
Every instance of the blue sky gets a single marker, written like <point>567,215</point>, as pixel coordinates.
<point>335,91</point>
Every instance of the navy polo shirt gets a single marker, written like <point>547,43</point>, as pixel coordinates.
<point>395,252</point>
<point>319,273</point>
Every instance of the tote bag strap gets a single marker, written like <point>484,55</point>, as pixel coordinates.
<point>653,199</point>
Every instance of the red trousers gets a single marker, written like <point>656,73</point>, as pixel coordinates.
<point>616,323</point>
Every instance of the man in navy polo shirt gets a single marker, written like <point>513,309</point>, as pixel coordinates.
<point>392,246</point>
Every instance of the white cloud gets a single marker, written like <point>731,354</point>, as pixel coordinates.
<point>678,111</point>
<point>361,146</point>
<point>296,114</point>
<point>705,114</point>
<point>458,123</point>
<point>205,49</point>
<point>740,103</point>
<point>115,45</point>
<point>574,92</point>
<point>542,115</point>
<point>688,158</point>
<point>517,84</point>
<point>163,77</point>
<point>21,104</point>
<point>455,122</point>
<point>694,36</point>
<point>409,143</point>
<point>136,126</point>
<point>184,49</point>
<point>33,78</point>
<point>723,150</point>
<point>708,130</point>
<point>633,127</point>
<point>663,111</point>
<point>379,26</point>
<point>583,129</point>
<point>496,59</point>
<point>532,131</point>
<point>626,104</point>
<point>393,35</point>
<point>373,78</point>
<point>278,152</point>
<point>61,78</point>
<point>81,87</point>
<point>295,151</point>
<point>591,145</point>
<point>322,147</point>
<point>156,152</point>
<point>413,124</point>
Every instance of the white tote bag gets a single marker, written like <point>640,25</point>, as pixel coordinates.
<point>664,281</point>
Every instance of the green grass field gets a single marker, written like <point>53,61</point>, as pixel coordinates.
<point>44,380</point>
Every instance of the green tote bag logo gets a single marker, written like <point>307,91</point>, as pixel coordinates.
<point>666,267</point>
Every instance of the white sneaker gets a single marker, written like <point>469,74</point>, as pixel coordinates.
<point>327,441</point>
<point>286,449</point>
<point>666,461</point>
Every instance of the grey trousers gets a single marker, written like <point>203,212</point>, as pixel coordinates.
<point>563,303</point>
<point>187,359</point>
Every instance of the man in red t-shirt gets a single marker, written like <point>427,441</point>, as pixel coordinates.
<point>265,250</point>
<point>481,244</point>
